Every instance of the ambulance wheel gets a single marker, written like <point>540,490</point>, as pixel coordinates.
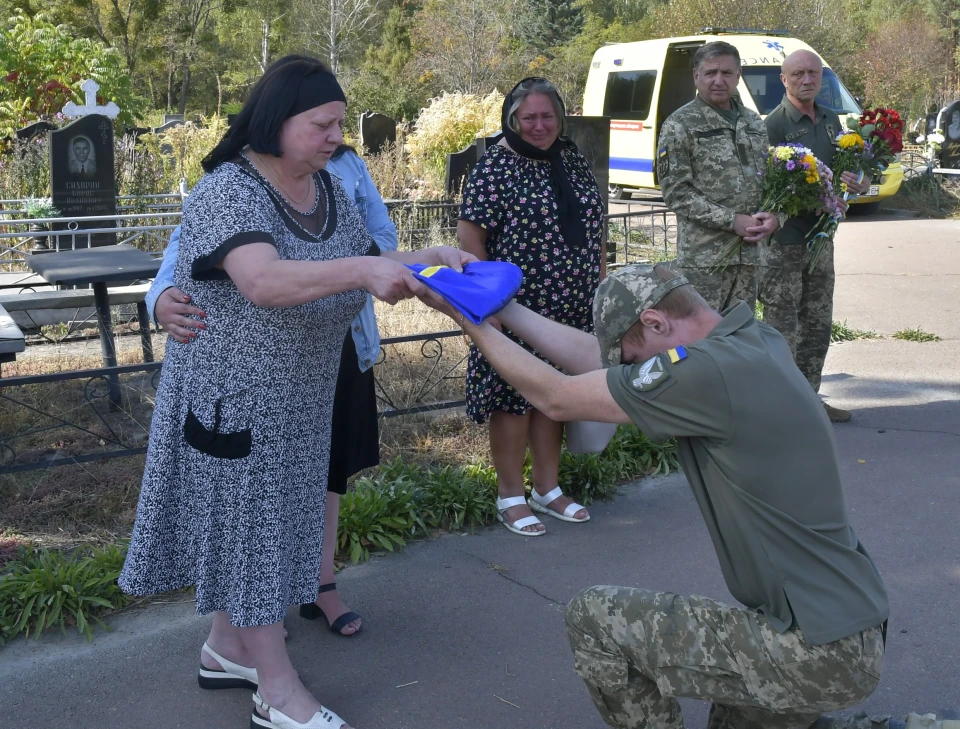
<point>619,193</point>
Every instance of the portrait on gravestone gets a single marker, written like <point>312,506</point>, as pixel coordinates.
<point>82,158</point>
<point>950,127</point>
<point>931,123</point>
<point>953,128</point>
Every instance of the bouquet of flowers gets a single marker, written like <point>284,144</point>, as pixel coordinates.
<point>869,144</point>
<point>792,184</point>
<point>832,209</point>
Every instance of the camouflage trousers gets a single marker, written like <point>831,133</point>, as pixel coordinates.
<point>638,651</point>
<point>723,288</point>
<point>799,304</point>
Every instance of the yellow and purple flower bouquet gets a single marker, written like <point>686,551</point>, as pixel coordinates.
<point>793,183</point>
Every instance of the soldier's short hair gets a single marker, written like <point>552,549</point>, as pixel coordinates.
<point>715,49</point>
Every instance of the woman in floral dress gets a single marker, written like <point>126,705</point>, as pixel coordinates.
<point>532,200</point>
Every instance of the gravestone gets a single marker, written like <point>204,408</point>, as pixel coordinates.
<point>165,147</point>
<point>82,176</point>
<point>376,130</point>
<point>460,164</point>
<point>37,129</point>
<point>591,134</point>
<point>950,128</point>
<point>931,124</point>
<point>167,118</point>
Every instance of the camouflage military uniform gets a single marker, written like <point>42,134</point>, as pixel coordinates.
<point>638,651</point>
<point>797,302</point>
<point>809,637</point>
<point>708,168</point>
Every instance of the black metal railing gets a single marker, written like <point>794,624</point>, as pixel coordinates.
<point>62,418</point>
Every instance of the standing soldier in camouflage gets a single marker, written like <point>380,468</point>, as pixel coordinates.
<point>762,463</point>
<point>709,157</point>
<point>799,303</point>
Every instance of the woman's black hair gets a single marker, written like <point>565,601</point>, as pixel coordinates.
<point>276,97</point>
<point>342,150</point>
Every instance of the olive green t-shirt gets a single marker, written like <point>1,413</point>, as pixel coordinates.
<point>787,124</point>
<point>759,453</point>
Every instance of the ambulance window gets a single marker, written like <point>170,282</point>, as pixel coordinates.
<point>835,96</point>
<point>764,85</point>
<point>629,94</point>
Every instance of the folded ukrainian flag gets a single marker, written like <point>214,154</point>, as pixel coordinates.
<point>480,291</point>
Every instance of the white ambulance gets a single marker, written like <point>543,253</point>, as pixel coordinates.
<point>638,85</point>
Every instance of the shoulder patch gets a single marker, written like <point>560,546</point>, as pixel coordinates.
<point>676,355</point>
<point>650,375</point>
<point>663,162</point>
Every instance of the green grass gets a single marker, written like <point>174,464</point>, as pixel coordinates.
<point>42,589</point>
<point>840,332</point>
<point>915,335</point>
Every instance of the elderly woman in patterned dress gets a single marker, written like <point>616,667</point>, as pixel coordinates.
<point>275,253</point>
<point>532,200</point>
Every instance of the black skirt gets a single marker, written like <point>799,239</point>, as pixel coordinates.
<point>355,440</point>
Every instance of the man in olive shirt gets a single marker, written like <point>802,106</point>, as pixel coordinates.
<point>799,303</point>
<point>760,457</point>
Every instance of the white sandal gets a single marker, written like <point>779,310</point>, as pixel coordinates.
<point>323,719</point>
<point>541,504</point>
<point>230,675</point>
<point>517,526</point>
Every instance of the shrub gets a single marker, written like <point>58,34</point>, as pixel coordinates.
<point>448,124</point>
<point>43,589</point>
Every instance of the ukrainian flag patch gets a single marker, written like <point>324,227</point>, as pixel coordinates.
<point>663,151</point>
<point>677,354</point>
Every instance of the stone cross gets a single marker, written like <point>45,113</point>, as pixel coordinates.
<point>90,88</point>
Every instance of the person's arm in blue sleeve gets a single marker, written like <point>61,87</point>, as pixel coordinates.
<point>378,221</point>
<point>167,305</point>
<point>164,279</point>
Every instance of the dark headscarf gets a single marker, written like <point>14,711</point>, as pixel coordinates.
<point>290,86</point>
<point>572,224</point>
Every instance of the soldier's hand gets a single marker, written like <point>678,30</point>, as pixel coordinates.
<point>741,223</point>
<point>856,188</point>
<point>765,225</point>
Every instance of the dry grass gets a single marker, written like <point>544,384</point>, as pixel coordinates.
<point>96,501</point>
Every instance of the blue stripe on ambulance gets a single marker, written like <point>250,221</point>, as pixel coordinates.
<point>631,164</point>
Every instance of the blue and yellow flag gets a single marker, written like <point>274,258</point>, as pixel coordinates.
<point>677,354</point>
<point>480,291</point>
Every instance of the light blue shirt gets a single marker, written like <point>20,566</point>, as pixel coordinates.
<point>352,173</point>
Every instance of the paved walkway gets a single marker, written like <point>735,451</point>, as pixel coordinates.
<point>467,630</point>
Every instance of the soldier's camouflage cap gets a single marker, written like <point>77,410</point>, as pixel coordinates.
<point>620,299</point>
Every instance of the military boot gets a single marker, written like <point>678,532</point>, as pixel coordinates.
<point>837,415</point>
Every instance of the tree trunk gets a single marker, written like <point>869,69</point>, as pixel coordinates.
<point>185,88</point>
<point>265,45</point>
<point>334,51</point>
<point>170,67</point>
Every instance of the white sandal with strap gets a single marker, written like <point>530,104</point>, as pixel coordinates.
<point>517,526</point>
<point>230,674</point>
<point>541,504</point>
<point>323,719</point>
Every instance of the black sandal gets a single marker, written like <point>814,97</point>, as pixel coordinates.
<point>312,611</point>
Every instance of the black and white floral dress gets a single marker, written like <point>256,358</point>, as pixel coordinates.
<point>234,490</point>
<point>510,197</point>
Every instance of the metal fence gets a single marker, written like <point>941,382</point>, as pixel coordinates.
<point>66,417</point>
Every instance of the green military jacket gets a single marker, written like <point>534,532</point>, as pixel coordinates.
<point>787,124</point>
<point>708,169</point>
<point>758,451</point>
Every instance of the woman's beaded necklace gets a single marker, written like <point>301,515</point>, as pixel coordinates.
<point>313,210</point>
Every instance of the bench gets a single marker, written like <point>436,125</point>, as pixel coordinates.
<point>23,280</point>
<point>42,308</point>
<point>11,338</point>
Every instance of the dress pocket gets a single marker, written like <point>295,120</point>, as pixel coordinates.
<point>223,440</point>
